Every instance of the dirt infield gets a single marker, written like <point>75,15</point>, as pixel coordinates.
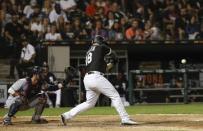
<point>147,122</point>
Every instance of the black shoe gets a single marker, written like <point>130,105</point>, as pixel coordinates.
<point>63,120</point>
<point>39,121</point>
<point>7,121</point>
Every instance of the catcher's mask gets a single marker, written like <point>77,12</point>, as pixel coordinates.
<point>99,40</point>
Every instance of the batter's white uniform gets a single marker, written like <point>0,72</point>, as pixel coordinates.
<point>95,83</point>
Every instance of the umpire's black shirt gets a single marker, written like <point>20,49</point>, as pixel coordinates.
<point>95,58</point>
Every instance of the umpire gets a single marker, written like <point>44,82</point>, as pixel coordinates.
<point>24,94</point>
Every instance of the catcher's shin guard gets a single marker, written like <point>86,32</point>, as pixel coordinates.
<point>12,111</point>
<point>39,108</point>
<point>14,108</point>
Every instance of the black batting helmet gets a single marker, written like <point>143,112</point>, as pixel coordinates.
<point>99,40</point>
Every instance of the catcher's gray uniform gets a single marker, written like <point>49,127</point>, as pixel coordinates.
<point>22,97</point>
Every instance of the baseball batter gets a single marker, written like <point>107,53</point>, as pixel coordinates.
<point>95,82</point>
<point>24,94</point>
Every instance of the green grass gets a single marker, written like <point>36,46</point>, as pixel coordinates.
<point>137,109</point>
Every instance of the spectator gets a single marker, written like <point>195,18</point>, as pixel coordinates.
<point>124,25</point>
<point>110,20</point>
<point>100,12</point>
<point>99,30</point>
<point>131,32</point>
<point>155,33</point>
<point>25,23</point>
<point>168,33</point>
<point>45,25</point>
<point>192,29</point>
<point>53,35</point>
<point>27,57</point>
<point>147,31</point>
<point>79,31</point>
<point>29,9</point>
<point>191,10</point>
<point>101,3</point>
<point>115,8</point>
<point>36,25</point>
<point>67,5</point>
<point>150,16</point>
<point>107,6</point>
<point>36,13</point>
<point>140,12</point>
<point>91,8</point>
<point>56,13</point>
<point>47,8</point>
<point>12,33</point>
<point>60,24</point>
<point>14,9</point>
<point>76,13</point>
<point>116,33</point>
<point>151,32</point>
<point>68,33</point>
<point>3,44</point>
<point>169,17</point>
<point>139,35</point>
<point>5,17</point>
<point>180,24</point>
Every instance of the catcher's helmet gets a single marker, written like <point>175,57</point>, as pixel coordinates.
<point>99,40</point>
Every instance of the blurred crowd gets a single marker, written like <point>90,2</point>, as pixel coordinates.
<point>113,19</point>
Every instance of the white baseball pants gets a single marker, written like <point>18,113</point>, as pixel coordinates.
<point>58,98</point>
<point>94,85</point>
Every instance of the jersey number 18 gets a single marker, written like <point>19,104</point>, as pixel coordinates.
<point>88,58</point>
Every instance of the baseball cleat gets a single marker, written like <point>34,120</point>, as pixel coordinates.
<point>63,120</point>
<point>128,122</point>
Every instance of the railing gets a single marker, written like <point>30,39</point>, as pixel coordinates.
<point>165,86</point>
<point>88,41</point>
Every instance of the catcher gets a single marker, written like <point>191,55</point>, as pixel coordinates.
<point>26,93</point>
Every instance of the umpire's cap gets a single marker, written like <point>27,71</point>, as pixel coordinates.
<point>99,40</point>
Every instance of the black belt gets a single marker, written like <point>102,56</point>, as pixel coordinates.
<point>93,72</point>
